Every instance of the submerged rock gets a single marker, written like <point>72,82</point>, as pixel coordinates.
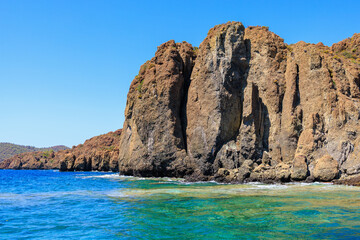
<point>245,106</point>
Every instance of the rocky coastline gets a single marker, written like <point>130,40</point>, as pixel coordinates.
<point>243,107</point>
<point>99,153</point>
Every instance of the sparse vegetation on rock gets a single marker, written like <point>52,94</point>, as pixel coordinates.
<point>98,153</point>
<point>8,150</point>
<point>245,106</point>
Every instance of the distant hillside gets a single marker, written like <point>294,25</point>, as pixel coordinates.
<point>100,153</point>
<point>7,150</point>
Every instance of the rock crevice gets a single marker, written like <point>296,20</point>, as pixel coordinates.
<point>244,106</point>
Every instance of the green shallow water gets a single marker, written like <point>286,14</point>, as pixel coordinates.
<point>251,211</point>
<point>47,204</point>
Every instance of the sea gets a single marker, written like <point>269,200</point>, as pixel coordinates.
<point>48,204</point>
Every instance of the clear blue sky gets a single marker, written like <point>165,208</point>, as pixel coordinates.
<point>66,66</point>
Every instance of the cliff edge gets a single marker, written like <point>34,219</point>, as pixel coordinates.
<point>245,106</point>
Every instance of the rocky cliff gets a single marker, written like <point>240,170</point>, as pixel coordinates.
<point>7,150</point>
<point>99,153</point>
<point>245,106</point>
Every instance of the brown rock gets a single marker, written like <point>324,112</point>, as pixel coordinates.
<point>349,180</point>
<point>31,160</point>
<point>325,169</point>
<point>283,172</point>
<point>214,103</point>
<point>250,97</point>
<point>155,121</point>
<point>98,153</point>
<point>299,170</point>
<point>67,164</point>
<point>81,164</point>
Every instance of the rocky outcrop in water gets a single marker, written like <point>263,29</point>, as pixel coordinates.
<point>99,153</point>
<point>245,106</point>
<point>153,142</point>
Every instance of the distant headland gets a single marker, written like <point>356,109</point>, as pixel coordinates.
<point>243,106</point>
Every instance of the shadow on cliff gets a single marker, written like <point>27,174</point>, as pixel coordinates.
<point>257,123</point>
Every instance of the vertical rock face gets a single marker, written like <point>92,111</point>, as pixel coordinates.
<point>263,95</point>
<point>214,103</point>
<point>245,106</point>
<point>153,136</point>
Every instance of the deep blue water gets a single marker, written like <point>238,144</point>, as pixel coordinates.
<point>92,205</point>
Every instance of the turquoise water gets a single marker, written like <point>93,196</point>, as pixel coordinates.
<point>79,205</point>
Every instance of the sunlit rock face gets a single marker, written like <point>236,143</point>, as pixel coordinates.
<point>245,106</point>
<point>99,153</point>
<point>153,142</point>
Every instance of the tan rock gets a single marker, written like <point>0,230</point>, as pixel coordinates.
<point>350,157</point>
<point>283,172</point>
<point>214,103</point>
<point>325,169</point>
<point>305,144</point>
<point>250,97</point>
<point>299,170</point>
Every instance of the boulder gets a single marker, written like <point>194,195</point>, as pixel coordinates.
<point>325,169</point>
<point>299,170</point>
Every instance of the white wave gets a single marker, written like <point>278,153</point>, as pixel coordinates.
<point>272,186</point>
<point>180,181</point>
<point>129,178</point>
<point>259,185</point>
<point>110,176</point>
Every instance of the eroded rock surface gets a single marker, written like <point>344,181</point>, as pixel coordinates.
<point>245,106</point>
<point>153,142</point>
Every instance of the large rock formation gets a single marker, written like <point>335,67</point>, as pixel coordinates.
<point>215,101</point>
<point>245,106</point>
<point>99,153</point>
<point>153,142</point>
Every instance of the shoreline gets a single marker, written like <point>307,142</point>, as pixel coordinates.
<point>348,181</point>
